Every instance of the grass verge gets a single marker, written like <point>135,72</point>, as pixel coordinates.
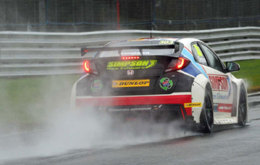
<point>250,71</point>
<point>26,101</point>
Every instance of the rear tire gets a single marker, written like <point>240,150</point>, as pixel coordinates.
<point>242,107</point>
<point>207,115</point>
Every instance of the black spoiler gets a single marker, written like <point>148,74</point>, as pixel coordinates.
<point>85,50</point>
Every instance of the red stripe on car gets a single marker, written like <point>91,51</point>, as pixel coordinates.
<point>135,100</point>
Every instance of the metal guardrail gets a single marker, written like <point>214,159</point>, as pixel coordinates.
<point>37,53</point>
<point>254,98</point>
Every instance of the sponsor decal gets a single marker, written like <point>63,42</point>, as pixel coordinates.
<point>219,83</point>
<point>166,83</point>
<point>165,42</point>
<point>225,108</point>
<point>222,96</point>
<point>225,121</point>
<point>96,85</point>
<point>198,50</point>
<point>126,65</point>
<point>190,105</point>
<point>130,83</point>
<point>130,72</point>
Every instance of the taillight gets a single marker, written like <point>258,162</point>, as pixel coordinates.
<point>130,57</point>
<point>181,63</point>
<point>178,64</point>
<point>86,66</point>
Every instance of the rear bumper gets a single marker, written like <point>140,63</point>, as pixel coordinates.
<point>114,101</point>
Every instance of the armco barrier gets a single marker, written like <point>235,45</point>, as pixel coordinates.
<point>33,53</point>
<point>254,98</point>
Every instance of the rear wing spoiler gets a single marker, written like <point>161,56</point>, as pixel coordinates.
<point>176,46</point>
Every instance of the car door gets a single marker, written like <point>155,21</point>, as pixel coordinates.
<point>220,81</point>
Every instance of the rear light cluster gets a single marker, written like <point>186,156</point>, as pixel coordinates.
<point>178,64</point>
<point>181,63</point>
<point>86,66</point>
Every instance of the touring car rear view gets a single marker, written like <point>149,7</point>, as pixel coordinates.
<point>162,79</point>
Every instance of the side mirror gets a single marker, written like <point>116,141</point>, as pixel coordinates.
<point>232,66</point>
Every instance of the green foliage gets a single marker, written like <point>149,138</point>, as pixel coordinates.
<point>250,70</point>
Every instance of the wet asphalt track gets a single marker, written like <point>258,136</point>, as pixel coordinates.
<point>226,146</point>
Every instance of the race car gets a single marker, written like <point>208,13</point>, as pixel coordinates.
<point>162,79</point>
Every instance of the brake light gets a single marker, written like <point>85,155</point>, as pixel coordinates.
<point>178,64</point>
<point>130,57</point>
<point>86,66</point>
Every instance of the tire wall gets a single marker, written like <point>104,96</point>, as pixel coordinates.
<point>198,93</point>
